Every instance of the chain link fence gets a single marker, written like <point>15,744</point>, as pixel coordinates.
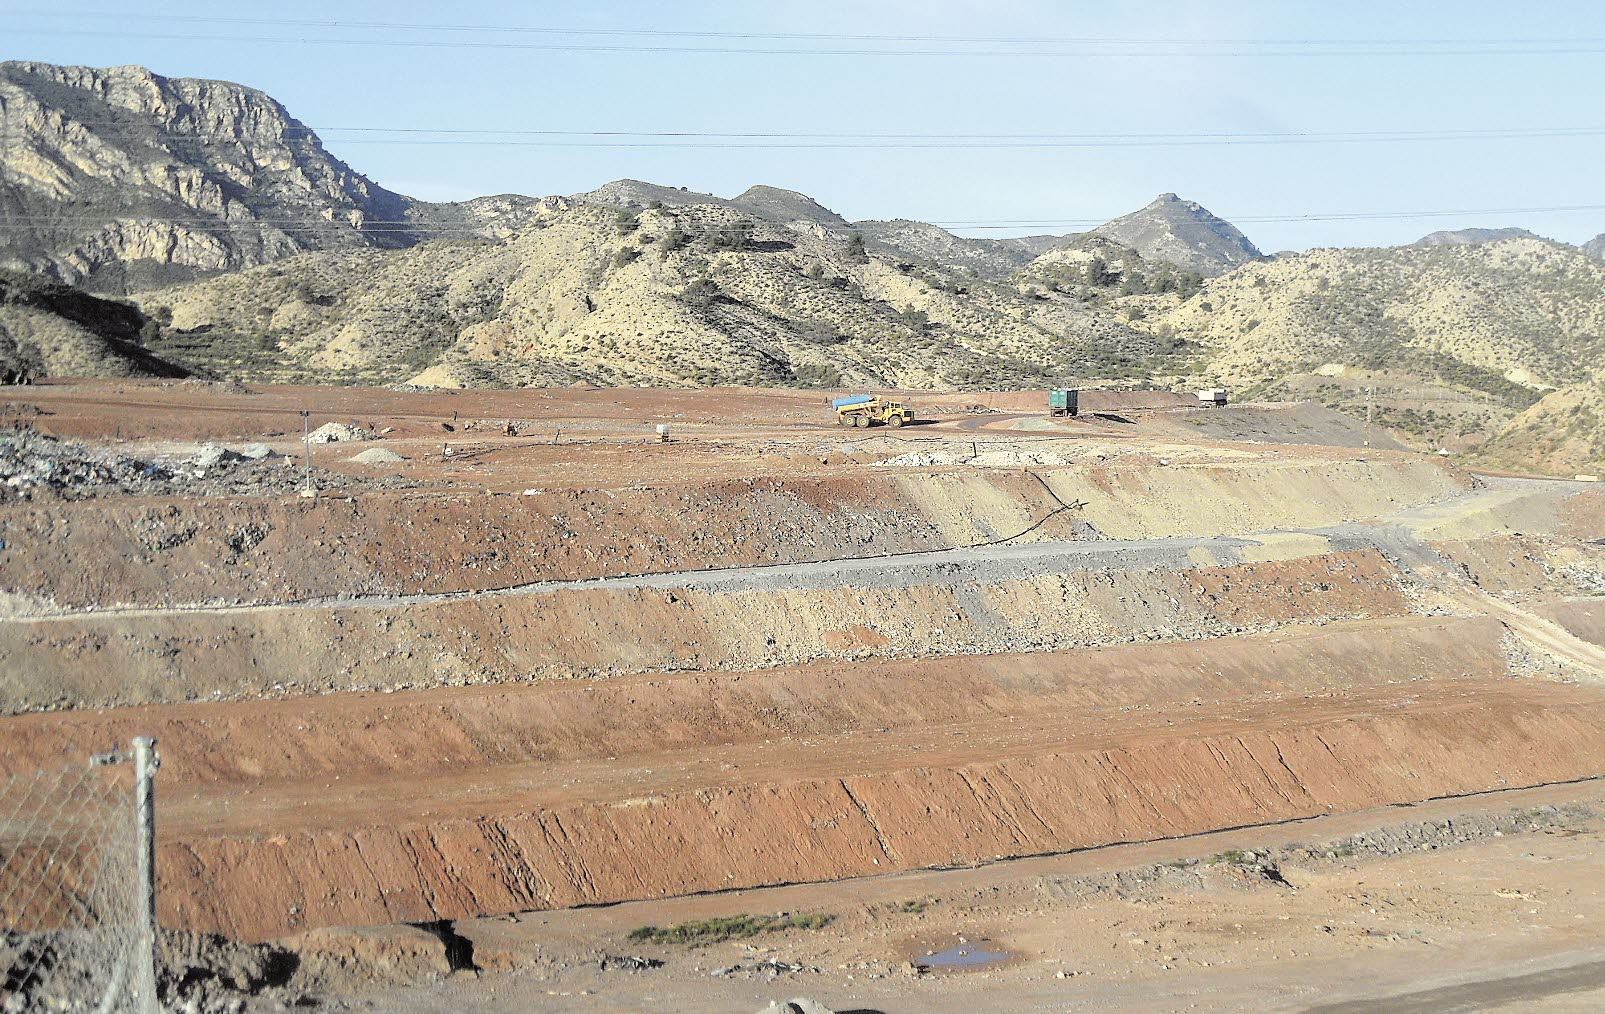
<point>77,898</point>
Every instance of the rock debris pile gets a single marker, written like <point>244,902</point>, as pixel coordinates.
<point>36,466</point>
<point>377,456</point>
<point>336,433</point>
<point>33,465</point>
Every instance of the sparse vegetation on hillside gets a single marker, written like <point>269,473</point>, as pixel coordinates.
<point>1492,327</point>
<point>1527,311</point>
<point>723,298</point>
<point>48,329</point>
<point>1564,432</point>
<point>732,927</point>
<point>1183,234</point>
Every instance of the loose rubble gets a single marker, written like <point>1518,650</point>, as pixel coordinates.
<point>1248,869</point>
<point>34,465</point>
<point>798,1005</point>
<point>983,459</point>
<point>333,432</point>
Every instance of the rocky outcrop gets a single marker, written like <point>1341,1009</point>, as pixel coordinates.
<point>122,173</point>
<point>120,179</point>
<point>1185,233</point>
<point>923,241</point>
<point>672,295</point>
<point>788,207</point>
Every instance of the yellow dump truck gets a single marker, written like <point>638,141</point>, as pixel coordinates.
<point>869,409</point>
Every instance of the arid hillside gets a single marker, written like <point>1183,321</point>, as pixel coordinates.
<point>1183,233</point>
<point>1565,431</point>
<point>1525,311</point>
<point>53,330</point>
<point>701,294</point>
<point>260,256</point>
<point>1447,342</point>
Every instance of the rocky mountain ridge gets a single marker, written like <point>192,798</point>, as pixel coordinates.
<point>259,255</point>
<point>121,178</point>
<point>1526,311</point>
<point>119,172</point>
<point>687,295</point>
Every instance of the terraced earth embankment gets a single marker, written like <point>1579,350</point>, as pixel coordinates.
<point>185,551</point>
<point>446,804</point>
<point>431,703</point>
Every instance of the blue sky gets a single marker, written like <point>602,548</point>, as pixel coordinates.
<point>1064,88</point>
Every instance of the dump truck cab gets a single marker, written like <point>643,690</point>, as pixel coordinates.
<point>870,409</point>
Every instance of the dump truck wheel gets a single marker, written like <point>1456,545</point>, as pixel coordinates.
<point>896,420</point>
<point>861,421</point>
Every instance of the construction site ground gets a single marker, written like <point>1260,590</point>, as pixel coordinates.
<point>536,678</point>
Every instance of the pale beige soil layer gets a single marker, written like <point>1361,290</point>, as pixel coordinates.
<point>177,655</point>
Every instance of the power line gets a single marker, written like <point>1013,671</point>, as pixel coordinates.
<point>351,25</point>
<point>724,140</point>
<point>403,225</point>
<point>1109,48</point>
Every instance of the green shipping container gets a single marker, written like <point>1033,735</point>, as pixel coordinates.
<point>1063,401</point>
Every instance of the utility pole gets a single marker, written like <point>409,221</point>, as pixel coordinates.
<point>145,764</point>
<point>1370,395</point>
<point>306,444</point>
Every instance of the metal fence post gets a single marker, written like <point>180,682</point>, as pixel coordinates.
<point>144,970</point>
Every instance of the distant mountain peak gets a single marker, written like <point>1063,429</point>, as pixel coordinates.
<point>1183,232</point>
<point>628,192</point>
<point>788,207</point>
<point>1472,237</point>
<point>765,191</point>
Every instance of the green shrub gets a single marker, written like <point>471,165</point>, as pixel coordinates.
<point>675,239</point>
<point>816,375</point>
<point>703,291</point>
<point>917,321</point>
<point>730,927</point>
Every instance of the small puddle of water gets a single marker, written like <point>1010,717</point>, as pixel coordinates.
<point>962,958</point>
